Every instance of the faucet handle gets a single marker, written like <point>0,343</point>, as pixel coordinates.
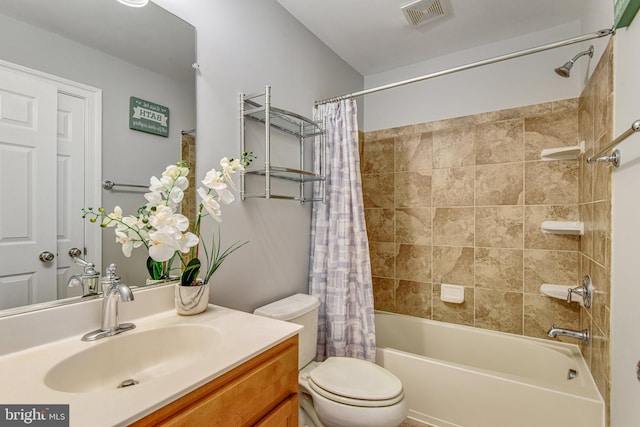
<point>90,270</point>
<point>585,290</point>
<point>111,272</point>
<point>110,278</point>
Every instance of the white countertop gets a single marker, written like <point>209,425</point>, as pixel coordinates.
<point>242,336</point>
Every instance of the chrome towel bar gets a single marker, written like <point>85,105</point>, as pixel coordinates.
<point>615,156</point>
<point>108,185</point>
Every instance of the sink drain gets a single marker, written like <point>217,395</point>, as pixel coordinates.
<point>128,383</point>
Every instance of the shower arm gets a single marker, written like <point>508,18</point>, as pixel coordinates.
<point>574,40</point>
<point>586,52</point>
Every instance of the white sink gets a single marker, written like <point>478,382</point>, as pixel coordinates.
<point>169,355</point>
<point>135,357</point>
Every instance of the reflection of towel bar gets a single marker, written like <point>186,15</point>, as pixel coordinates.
<point>108,185</point>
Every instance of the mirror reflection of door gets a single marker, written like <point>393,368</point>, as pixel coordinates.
<point>70,173</point>
<point>43,133</point>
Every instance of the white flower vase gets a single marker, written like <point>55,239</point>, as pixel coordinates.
<point>190,300</point>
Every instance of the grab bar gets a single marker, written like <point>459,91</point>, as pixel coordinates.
<point>108,185</point>
<point>615,156</point>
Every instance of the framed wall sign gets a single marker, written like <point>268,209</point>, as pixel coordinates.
<point>147,116</point>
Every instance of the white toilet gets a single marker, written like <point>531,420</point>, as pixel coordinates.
<point>341,391</point>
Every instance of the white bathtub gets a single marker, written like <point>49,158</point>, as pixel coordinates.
<point>457,376</point>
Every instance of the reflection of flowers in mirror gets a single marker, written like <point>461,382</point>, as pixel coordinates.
<point>164,232</point>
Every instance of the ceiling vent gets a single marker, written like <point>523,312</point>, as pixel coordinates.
<point>422,11</point>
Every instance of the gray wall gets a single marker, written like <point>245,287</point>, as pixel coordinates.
<point>128,156</point>
<point>510,84</point>
<point>243,46</point>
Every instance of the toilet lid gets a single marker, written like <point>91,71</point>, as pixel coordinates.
<point>356,382</point>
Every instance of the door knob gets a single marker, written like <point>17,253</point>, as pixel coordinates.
<point>46,256</point>
<point>75,252</point>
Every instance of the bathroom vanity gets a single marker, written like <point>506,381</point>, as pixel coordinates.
<point>221,367</point>
<point>261,392</point>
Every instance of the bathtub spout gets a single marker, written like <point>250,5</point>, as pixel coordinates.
<point>581,335</point>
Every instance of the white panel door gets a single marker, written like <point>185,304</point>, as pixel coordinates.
<point>70,190</point>
<point>28,209</point>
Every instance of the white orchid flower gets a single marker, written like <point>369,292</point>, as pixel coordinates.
<point>210,204</point>
<point>159,227</point>
<point>164,219</point>
<point>230,167</point>
<point>131,221</point>
<point>130,233</point>
<point>216,181</point>
<point>169,189</point>
<point>174,171</point>
<point>154,198</point>
<point>187,241</point>
<point>225,195</point>
<point>175,196</point>
<point>181,182</point>
<point>113,218</point>
<point>162,245</point>
<point>181,222</point>
<point>129,241</point>
<point>143,235</point>
<point>155,185</point>
<point>161,185</point>
<point>212,178</point>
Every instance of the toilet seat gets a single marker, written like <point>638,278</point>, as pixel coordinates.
<point>355,382</point>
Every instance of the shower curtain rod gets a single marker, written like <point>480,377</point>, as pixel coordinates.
<point>574,40</point>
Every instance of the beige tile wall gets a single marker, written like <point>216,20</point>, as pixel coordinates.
<point>596,129</point>
<point>461,201</point>
<point>188,150</point>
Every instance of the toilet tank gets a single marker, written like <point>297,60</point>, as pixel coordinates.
<point>300,309</point>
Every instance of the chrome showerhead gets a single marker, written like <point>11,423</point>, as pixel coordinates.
<point>565,70</point>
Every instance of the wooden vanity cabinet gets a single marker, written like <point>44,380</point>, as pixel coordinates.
<point>261,392</point>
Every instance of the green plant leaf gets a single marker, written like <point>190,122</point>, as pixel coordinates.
<point>154,268</point>
<point>190,272</point>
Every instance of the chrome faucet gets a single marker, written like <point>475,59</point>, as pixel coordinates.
<point>581,335</point>
<point>112,289</point>
<point>585,290</point>
<point>89,279</point>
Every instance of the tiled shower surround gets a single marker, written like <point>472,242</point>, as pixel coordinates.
<point>461,201</point>
<point>596,129</point>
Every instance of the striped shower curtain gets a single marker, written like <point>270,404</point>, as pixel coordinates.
<point>339,268</point>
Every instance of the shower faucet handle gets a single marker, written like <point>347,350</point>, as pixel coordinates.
<point>585,290</point>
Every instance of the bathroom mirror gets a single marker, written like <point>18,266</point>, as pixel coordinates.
<point>120,52</point>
